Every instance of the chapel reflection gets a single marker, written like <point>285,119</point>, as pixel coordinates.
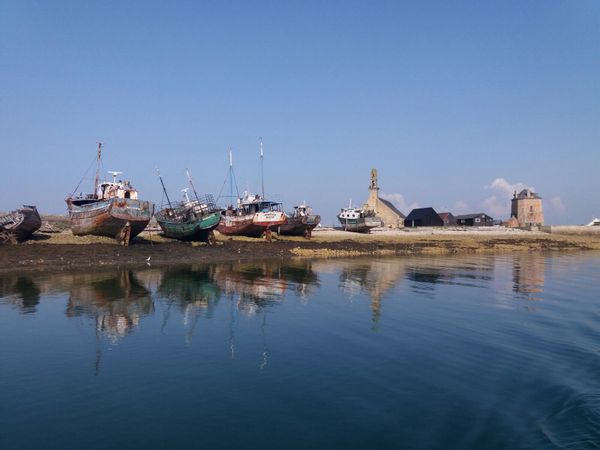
<point>376,278</point>
<point>21,292</point>
<point>528,275</point>
<point>114,300</point>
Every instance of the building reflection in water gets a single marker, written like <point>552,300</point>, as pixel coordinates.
<point>115,300</point>
<point>473,271</point>
<point>380,277</point>
<point>528,275</point>
<point>375,278</point>
<point>21,292</point>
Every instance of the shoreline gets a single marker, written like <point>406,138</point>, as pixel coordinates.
<point>63,251</point>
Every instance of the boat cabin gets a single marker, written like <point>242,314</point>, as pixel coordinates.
<point>120,189</point>
<point>302,210</point>
<point>251,204</point>
<point>351,213</point>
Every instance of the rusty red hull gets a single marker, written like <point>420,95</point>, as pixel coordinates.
<point>240,226</point>
<point>299,226</point>
<point>122,219</point>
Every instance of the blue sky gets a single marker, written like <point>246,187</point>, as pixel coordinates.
<point>455,103</point>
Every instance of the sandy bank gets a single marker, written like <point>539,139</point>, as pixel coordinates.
<point>63,251</point>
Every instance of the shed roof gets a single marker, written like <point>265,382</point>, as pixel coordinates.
<point>392,207</point>
<point>420,213</point>
<point>445,215</point>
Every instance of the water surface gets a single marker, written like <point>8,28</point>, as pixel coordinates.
<point>462,352</point>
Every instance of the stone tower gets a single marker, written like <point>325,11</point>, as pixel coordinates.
<point>389,214</point>
<point>526,207</point>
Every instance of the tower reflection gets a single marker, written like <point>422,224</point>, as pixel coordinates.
<point>528,275</point>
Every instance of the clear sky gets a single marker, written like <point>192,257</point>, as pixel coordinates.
<point>455,103</point>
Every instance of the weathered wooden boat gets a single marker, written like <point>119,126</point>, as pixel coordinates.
<point>20,224</point>
<point>113,210</point>
<point>358,219</point>
<point>253,217</point>
<point>300,222</point>
<point>190,220</point>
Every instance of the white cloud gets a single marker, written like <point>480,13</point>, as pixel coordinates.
<point>400,202</point>
<point>504,186</point>
<point>497,208</point>
<point>498,205</point>
<point>558,206</point>
<point>461,207</point>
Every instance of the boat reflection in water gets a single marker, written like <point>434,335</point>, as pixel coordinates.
<point>191,290</point>
<point>20,291</point>
<point>254,286</point>
<point>115,300</point>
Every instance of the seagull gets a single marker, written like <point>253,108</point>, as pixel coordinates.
<point>148,260</point>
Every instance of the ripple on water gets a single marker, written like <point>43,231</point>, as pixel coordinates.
<point>575,423</point>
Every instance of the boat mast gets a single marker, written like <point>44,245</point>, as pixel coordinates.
<point>262,171</point>
<point>164,190</point>
<point>192,184</point>
<point>231,176</point>
<point>97,179</point>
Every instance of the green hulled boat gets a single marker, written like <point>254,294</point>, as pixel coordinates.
<point>190,220</point>
<point>184,224</point>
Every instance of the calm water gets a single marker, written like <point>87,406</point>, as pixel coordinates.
<point>470,352</point>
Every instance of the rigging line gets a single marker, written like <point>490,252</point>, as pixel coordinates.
<point>222,187</point>
<point>84,175</point>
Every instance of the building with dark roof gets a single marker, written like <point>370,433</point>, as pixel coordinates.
<point>384,209</point>
<point>526,206</point>
<point>423,217</point>
<point>475,220</point>
<point>448,218</point>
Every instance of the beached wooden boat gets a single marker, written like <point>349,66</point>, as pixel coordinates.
<point>301,222</point>
<point>189,220</point>
<point>113,210</point>
<point>20,224</point>
<point>252,217</point>
<point>358,219</point>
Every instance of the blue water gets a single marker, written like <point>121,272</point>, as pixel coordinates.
<point>464,352</point>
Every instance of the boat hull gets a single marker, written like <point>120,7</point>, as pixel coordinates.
<point>199,229</point>
<point>299,226</point>
<point>269,220</point>
<point>119,218</point>
<point>22,223</point>
<point>240,226</point>
<point>359,225</point>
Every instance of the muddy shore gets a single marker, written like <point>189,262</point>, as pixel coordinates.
<point>63,251</point>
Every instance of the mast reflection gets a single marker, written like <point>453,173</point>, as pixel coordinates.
<point>193,292</point>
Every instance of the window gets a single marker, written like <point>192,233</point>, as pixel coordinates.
<point>477,220</point>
